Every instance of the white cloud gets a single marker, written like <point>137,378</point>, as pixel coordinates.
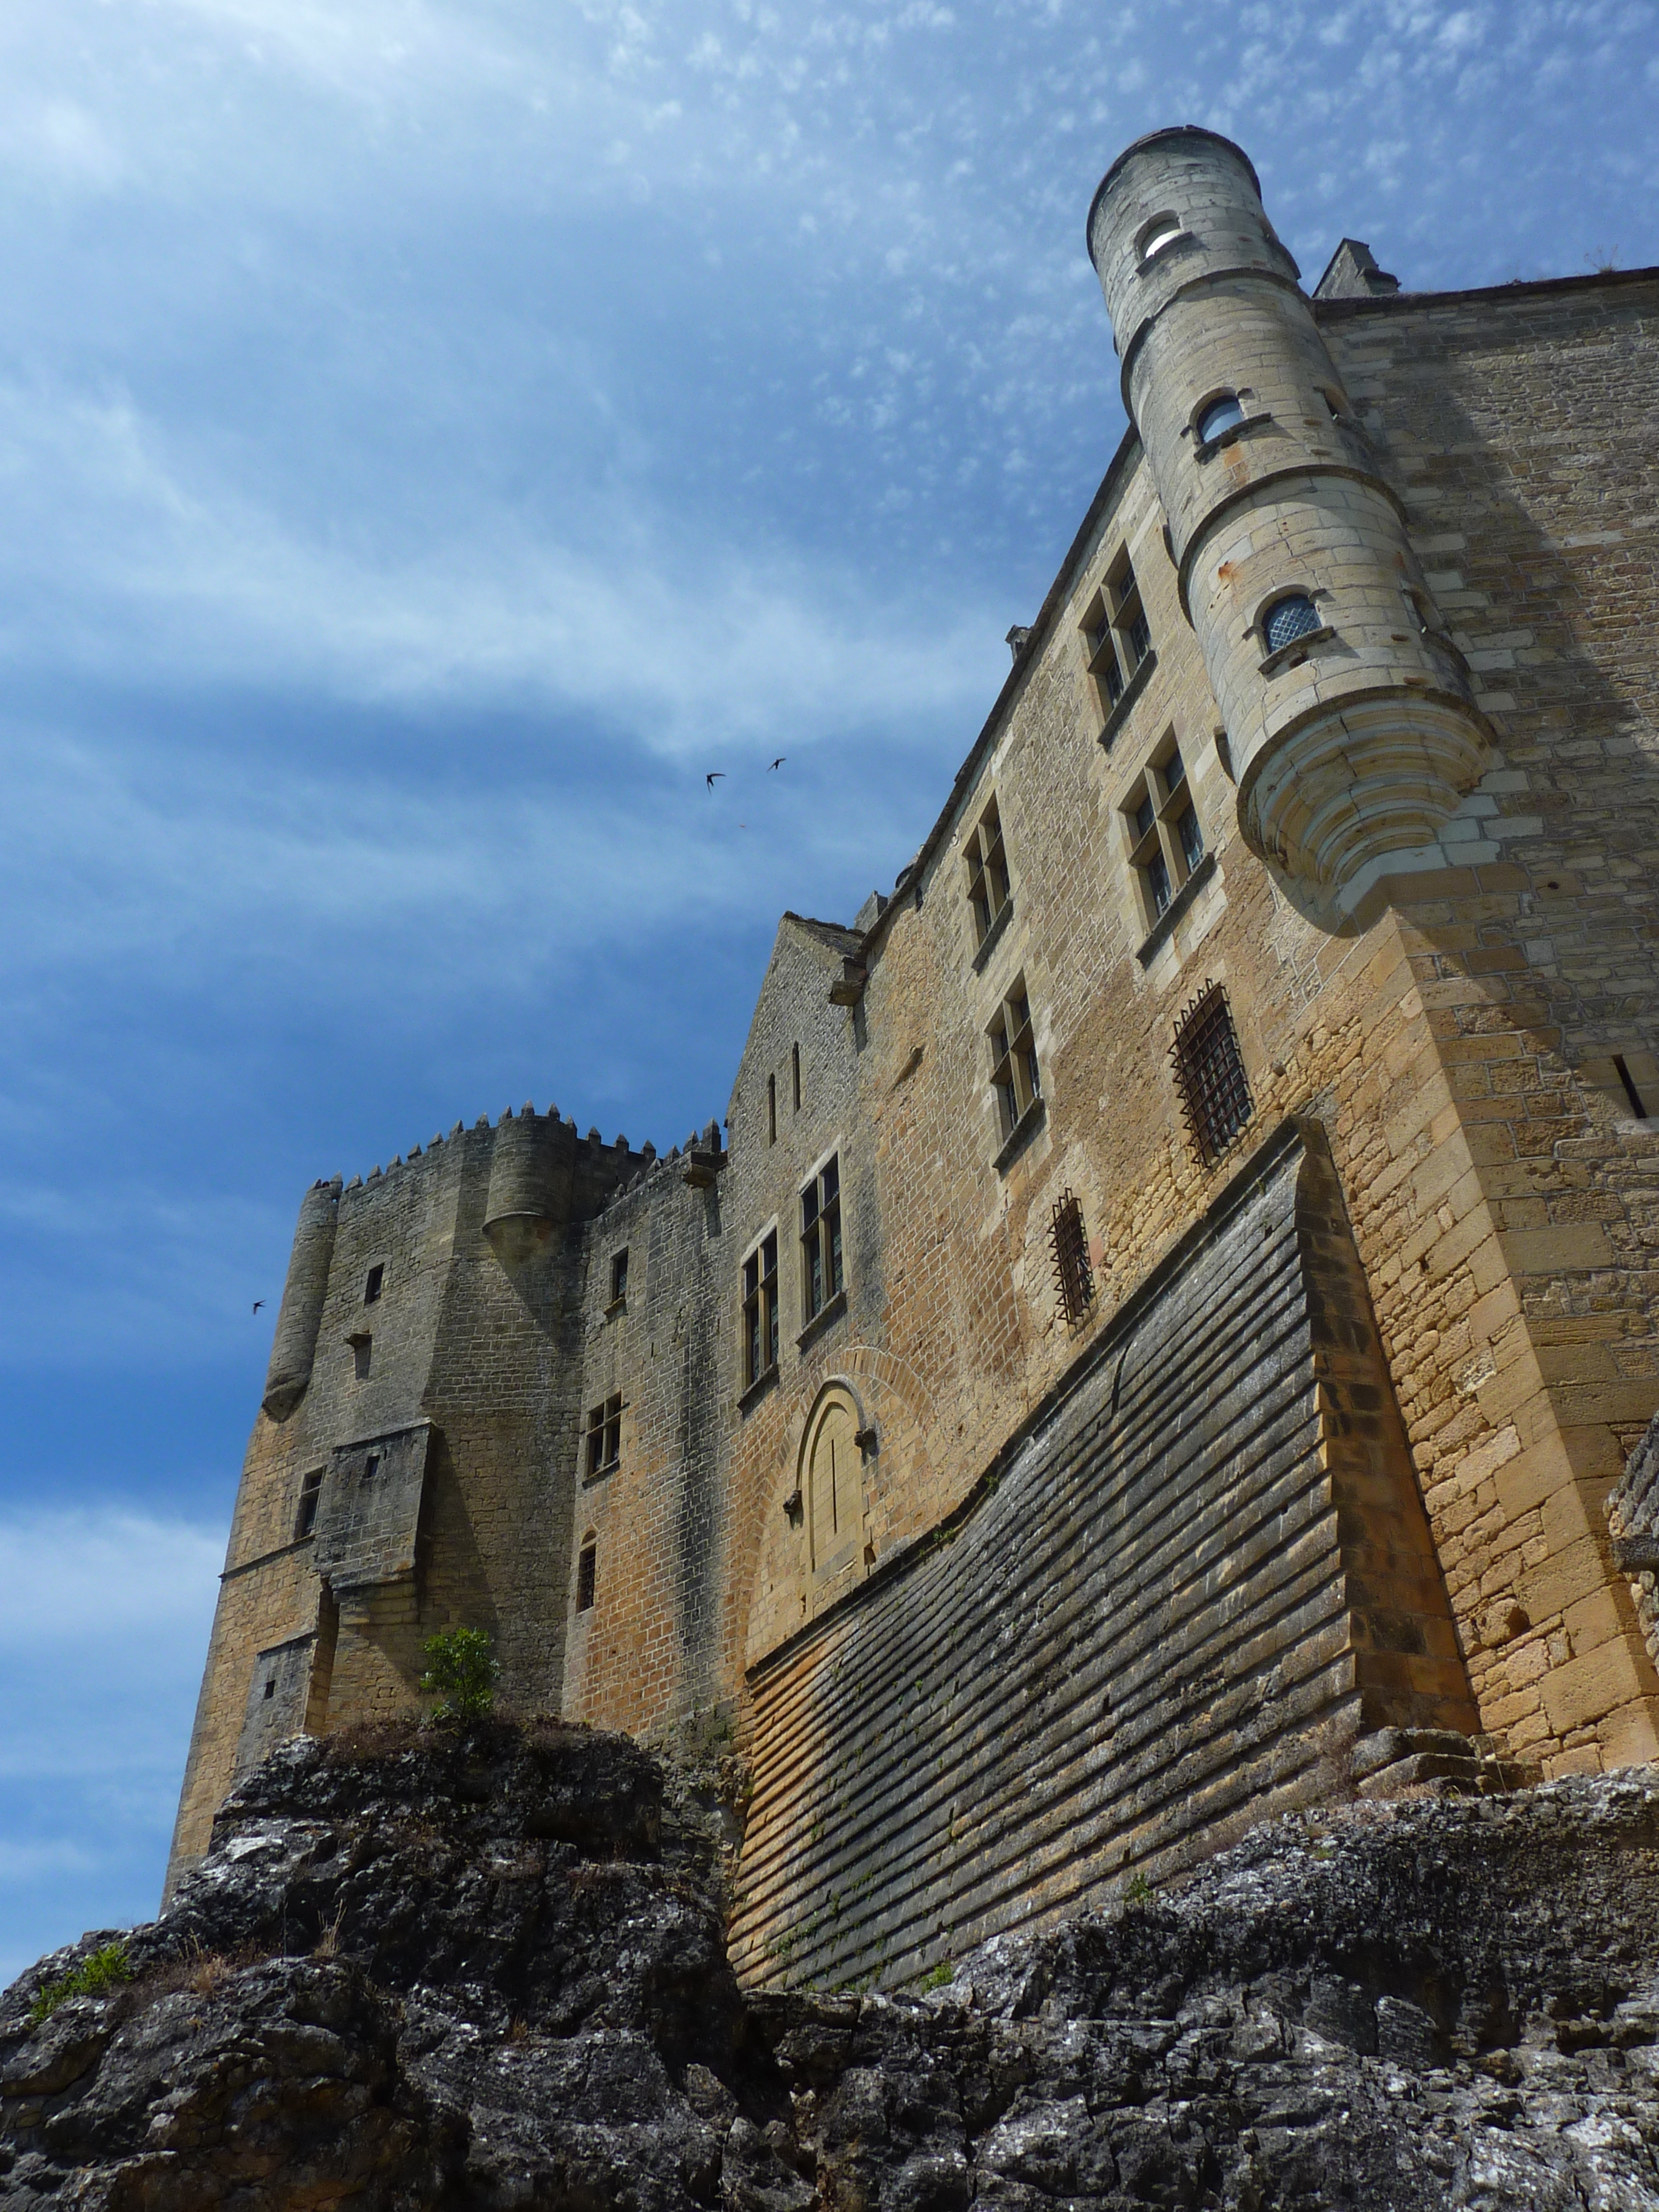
<point>76,1588</point>
<point>104,1619</point>
<point>132,556</point>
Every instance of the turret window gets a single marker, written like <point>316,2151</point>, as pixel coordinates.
<point>1160,232</point>
<point>1293,616</point>
<point>1219,415</point>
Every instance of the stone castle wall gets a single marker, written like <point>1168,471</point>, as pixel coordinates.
<point>1457,1043</point>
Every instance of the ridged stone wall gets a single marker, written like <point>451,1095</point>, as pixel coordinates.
<point>1202,1572</point>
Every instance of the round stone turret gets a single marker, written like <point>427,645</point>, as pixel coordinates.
<point>529,1186</point>
<point>295,1346</point>
<point>1352,730</point>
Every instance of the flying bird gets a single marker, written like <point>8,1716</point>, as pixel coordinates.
<point>710,778</point>
<point>778,762</point>
<point>258,1303</point>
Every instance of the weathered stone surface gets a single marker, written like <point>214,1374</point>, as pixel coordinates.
<point>486,1970</point>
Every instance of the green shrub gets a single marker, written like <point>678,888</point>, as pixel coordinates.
<point>99,1971</point>
<point>1138,1890</point>
<point>461,1673</point>
<point>939,1975</point>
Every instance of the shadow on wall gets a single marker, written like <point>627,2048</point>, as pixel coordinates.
<point>1167,1613</point>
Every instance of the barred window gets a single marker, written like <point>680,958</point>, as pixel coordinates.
<point>588,1564</point>
<point>1293,616</point>
<point>1072,1273</point>
<point>604,1435</point>
<point>760,1310</point>
<point>1014,1073</point>
<point>1215,1093</point>
<point>820,1239</point>
<point>988,874</point>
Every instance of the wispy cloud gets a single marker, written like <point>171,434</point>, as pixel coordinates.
<point>432,432</point>
<point>104,1615</point>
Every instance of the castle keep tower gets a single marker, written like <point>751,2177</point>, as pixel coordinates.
<point>1352,731</point>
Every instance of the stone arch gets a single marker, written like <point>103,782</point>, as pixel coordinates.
<point>898,1497</point>
<point>830,1479</point>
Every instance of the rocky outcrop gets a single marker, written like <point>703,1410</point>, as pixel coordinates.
<point>488,1969</point>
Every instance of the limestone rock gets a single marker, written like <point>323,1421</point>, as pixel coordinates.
<point>486,1968</point>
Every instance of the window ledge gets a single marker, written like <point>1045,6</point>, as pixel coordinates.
<point>1289,656</point>
<point>765,1380</point>
<point>1132,691</point>
<point>1022,1133</point>
<point>599,1474</point>
<point>616,1306</point>
<point>1158,934</point>
<point>1231,435</point>
<point>993,936</point>
<point>821,1320</point>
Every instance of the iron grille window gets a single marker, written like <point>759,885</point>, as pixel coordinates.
<point>820,1238</point>
<point>1287,619</point>
<point>1215,1094</point>
<point>587,1565</point>
<point>604,1435</point>
<point>760,1310</point>
<point>1072,1273</point>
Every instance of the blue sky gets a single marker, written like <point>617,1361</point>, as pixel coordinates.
<point>432,436</point>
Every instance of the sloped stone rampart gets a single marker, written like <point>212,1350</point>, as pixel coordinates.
<point>1196,1582</point>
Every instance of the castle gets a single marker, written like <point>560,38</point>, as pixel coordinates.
<point>1154,1341</point>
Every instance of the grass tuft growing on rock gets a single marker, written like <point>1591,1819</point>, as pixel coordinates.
<point>100,1971</point>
